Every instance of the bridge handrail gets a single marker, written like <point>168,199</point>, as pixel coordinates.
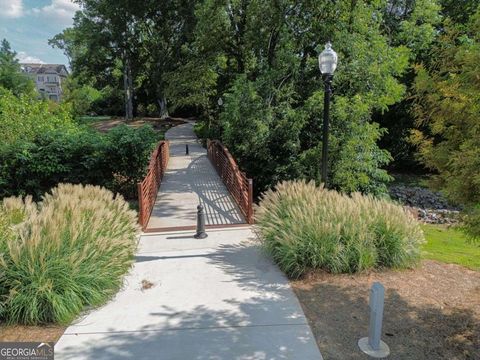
<point>148,188</point>
<point>235,180</point>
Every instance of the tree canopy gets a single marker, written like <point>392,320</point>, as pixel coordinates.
<point>11,76</point>
<point>447,108</point>
<point>260,57</point>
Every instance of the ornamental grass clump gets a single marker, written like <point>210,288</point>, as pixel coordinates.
<point>307,227</point>
<point>63,254</point>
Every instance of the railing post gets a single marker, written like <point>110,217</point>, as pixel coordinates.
<point>250,202</point>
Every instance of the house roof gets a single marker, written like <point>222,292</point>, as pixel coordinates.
<point>32,68</point>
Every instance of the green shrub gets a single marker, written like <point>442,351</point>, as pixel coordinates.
<point>33,168</point>
<point>81,98</point>
<point>23,117</point>
<point>471,223</point>
<point>127,154</point>
<point>307,227</point>
<point>66,253</point>
<point>116,160</point>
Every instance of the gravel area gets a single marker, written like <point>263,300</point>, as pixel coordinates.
<point>432,312</point>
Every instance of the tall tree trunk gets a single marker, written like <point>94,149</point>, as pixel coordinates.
<point>128,87</point>
<point>163,107</point>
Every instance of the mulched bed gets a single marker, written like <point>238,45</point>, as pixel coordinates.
<point>158,124</point>
<point>49,333</point>
<point>432,312</point>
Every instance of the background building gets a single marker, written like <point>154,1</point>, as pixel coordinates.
<point>48,78</point>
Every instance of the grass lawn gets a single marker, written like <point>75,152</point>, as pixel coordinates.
<point>450,245</point>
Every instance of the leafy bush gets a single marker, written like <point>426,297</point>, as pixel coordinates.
<point>24,117</point>
<point>116,160</point>
<point>471,223</point>
<point>307,227</point>
<point>63,254</point>
<point>33,168</point>
<point>81,98</point>
<point>126,155</point>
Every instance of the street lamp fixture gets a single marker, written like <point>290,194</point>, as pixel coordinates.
<point>327,61</point>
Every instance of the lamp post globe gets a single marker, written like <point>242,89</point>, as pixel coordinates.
<point>327,62</point>
<point>220,101</point>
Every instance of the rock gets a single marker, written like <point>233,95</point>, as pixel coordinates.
<point>428,206</point>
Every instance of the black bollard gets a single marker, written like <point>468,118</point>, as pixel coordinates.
<point>186,149</point>
<point>201,234</point>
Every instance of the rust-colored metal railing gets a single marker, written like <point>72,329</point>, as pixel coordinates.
<point>237,183</point>
<point>148,188</point>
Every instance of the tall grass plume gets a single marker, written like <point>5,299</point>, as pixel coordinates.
<point>308,227</point>
<point>63,254</point>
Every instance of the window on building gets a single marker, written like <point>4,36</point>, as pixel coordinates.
<point>40,78</point>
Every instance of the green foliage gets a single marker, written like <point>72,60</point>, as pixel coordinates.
<point>305,227</point>
<point>188,93</point>
<point>81,98</point>
<point>116,160</point>
<point>64,254</point>
<point>11,76</point>
<point>34,167</point>
<point>450,245</point>
<point>471,223</point>
<point>265,143</point>
<point>264,56</point>
<point>138,40</point>
<point>447,107</point>
<point>447,104</point>
<point>23,117</point>
<point>127,154</point>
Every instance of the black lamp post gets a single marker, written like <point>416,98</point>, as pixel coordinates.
<point>327,61</point>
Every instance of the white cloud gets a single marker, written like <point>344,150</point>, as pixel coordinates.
<point>61,11</point>
<point>23,57</point>
<point>11,8</point>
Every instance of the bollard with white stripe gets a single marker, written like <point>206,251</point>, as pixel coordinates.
<point>373,345</point>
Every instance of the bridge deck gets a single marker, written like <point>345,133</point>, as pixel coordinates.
<point>191,180</point>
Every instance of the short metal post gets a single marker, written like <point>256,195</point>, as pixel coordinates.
<point>373,345</point>
<point>186,149</point>
<point>201,234</point>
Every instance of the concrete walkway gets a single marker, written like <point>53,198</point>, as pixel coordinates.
<point>217,298</point>
<point>191,180</point>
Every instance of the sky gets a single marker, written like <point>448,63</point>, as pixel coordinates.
<point>28,24</point>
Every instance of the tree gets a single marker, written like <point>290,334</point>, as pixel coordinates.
<point>447,108</point>
<point>11,76</point>
<point>129,45</point>
<point>265,56</point>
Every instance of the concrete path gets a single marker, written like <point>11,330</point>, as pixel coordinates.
<point>217,298</point>
<point>191,180</point>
